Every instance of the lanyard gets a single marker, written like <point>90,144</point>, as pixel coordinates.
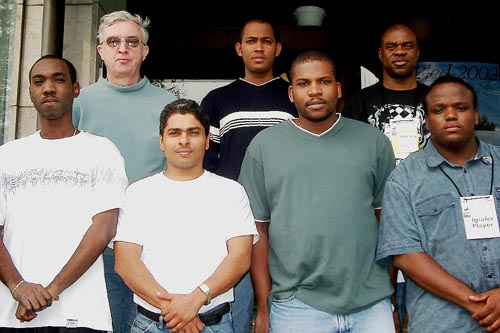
<point>451,180</point>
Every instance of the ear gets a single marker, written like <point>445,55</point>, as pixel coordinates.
<point>207,143</point>
<point>99,50</point>
<point>76,89</point>
<point>380,54</point>
<point>476,117</point>
<point>161,142</point>
<point>145,52</point>
<point>279,46</point>
<point>290,93</point>
<point>237,47</point>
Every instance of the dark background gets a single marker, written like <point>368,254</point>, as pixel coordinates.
<point>192,40</point>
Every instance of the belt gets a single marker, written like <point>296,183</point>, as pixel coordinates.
<point>211,317</point>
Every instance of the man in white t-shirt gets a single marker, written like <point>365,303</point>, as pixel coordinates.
<point>60,191</point>
<point>176,247</point>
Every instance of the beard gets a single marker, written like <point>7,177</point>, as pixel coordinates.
<point>403,74</point>
<point>320,119</point>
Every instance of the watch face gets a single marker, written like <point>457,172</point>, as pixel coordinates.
<point>205,288</point>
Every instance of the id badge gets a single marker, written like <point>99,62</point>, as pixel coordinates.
<point>480,217</point>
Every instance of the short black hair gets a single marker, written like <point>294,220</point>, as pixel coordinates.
<point>308,56</point>
<point>71,67</point>
<point>184,106</point>
<point>276,32</point>
<point>450,79</point>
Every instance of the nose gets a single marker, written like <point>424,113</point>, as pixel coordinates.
<point>48,87</point>
<point>259,45</point>
<point>315,89</point>
<point>450,113</point>
<point>400,48</point>
<point>122,48</point>
<point>184,139</point>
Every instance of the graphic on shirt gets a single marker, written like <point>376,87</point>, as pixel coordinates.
<point>383,115</point>
<point>45,177</point>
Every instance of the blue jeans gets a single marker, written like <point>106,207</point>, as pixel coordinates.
<point>143,324</point>
<point>242,307</point>
<point>294,316</point>
<point>121,298</point>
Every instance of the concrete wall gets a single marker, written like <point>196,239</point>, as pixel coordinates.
<point>81,19</point>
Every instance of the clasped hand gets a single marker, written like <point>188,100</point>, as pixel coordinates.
<point>486,310</point>
<point>181,313</point>
<point>32,298</point>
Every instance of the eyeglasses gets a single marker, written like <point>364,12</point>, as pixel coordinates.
<point>130,42</point>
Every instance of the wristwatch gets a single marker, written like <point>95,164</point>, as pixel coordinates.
<point>395,307</point>
<point>204,288</point>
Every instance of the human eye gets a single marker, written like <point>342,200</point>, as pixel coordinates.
<point>408,45</point>
<point>437,110</point>
<point>251,41</point>
<point>132,41</point>
<point>390,46</point>
<point>37,82</point>
<point>195,132</point>
<point>173,132</point>
<point>113,42</point>
<point>268,41</point>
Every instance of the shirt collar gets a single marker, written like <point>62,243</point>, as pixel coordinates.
<point>434,158</point>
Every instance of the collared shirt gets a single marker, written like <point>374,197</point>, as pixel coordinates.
<point>421,212</point>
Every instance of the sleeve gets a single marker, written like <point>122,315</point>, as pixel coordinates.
<point>385,164</point>
<point>252,179</point>
<point>211,159</point>
<point>130,213</point>
<point>398,232</point>
<point>355,107</point>
<point>110,179</point>
<point>240,217</point>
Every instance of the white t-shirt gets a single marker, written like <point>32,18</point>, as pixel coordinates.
<point>49,192</point>
<point>183,227</point>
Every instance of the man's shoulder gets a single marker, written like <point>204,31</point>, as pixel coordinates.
<point>273,135</point>
<point>221,180</point>
<point>15,144</point>
<point>98,140</point>
<point>361,126</point>
<point>96,86</point>
<point>376,88</point>
<point>223,90</point>
<point>415,163</point>
<point>146,182</point>
<point>156,89</point>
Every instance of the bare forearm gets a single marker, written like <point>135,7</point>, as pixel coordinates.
<point>136,275</point>
<point>428,275</point>
<point>260,270</point>
<point>233,267</point>
<point>9,274</point>
<point>90,248</point>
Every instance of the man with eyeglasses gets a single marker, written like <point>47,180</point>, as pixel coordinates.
<point>124,107</point>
